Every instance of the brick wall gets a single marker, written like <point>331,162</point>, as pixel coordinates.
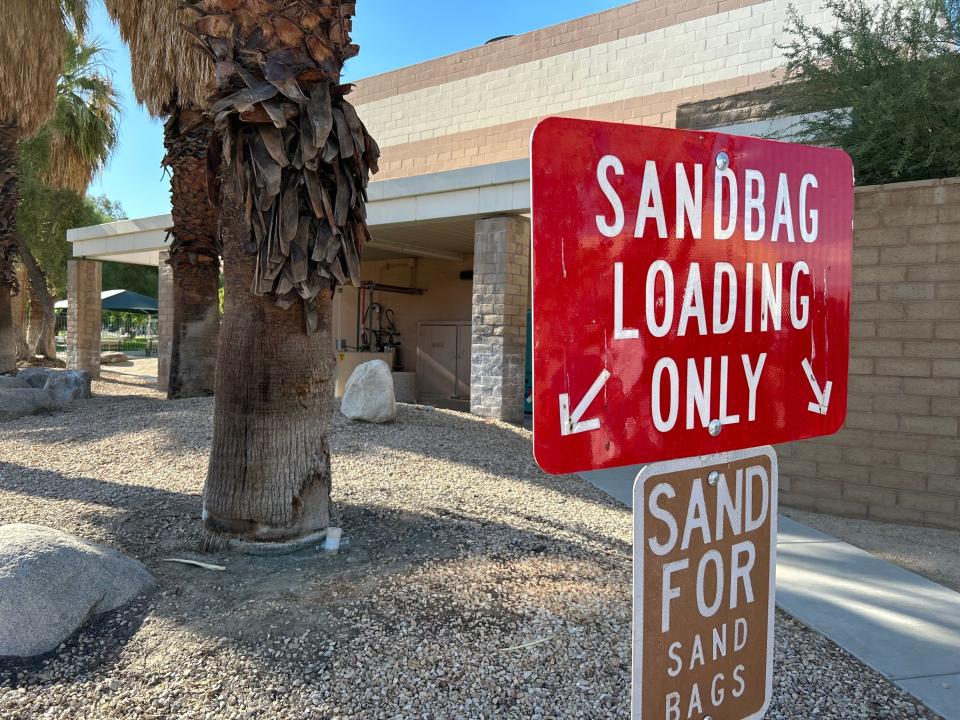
<point>897,458</point>
<point>164,322</point>
<point>84,315</point>
<point>634,63</point>
<point>501,286</point>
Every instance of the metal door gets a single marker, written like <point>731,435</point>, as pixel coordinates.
<point>437,361</point>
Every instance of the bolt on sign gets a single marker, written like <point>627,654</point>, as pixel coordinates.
<point>691,292</point>
<point>704,569</point>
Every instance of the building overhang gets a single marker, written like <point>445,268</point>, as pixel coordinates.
<point>429,216</point>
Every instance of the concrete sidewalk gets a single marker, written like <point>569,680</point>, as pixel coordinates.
<point>901,624</point>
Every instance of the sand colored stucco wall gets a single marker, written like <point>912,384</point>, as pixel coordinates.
<point>635,63</point>
<point>447,298</point>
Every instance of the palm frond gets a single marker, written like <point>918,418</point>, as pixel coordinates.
<point>32,42</point>
<point>76,143</point>
<point>167,65</point>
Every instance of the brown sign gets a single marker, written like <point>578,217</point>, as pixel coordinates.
<point>703,587</point>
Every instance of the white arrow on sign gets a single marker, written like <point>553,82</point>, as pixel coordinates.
<point>571,424</point>
<point>823,396</point>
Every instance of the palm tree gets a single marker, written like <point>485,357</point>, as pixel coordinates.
<point>294,163</point>
<point>33,36</point>
<point>170,78</point>
<point>68,151</point>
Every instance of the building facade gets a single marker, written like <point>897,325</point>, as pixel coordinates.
<point>447,280</point>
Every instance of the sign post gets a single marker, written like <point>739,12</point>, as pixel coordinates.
<point>703,576</point>
<point>691,298</point>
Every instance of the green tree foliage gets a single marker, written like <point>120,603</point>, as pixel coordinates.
<point>60,160</point>
<point>883,83</point>
<point>136,278</point>
<point>72,147</point>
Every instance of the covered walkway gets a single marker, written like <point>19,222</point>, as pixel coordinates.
<point>448,269</point>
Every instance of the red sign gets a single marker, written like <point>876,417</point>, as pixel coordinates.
<point>691,292</point>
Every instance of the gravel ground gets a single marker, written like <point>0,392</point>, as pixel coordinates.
<point>930,552</point>
<point>474,586</point>
<point>142,368</point>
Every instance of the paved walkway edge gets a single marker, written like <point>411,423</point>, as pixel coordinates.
<point>898,623</point>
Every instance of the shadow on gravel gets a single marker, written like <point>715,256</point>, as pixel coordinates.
<point>258,602</point>
<point>107,416</point>
<point>460,438</point>
<point>95,647</point>
<point>140,520</point>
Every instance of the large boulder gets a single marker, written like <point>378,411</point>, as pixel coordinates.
<point>35,376</point>
<point>17,402</point>
<point>51,583</point>
<point>64,385</point>
<point>8,383</point>
<point>368,394</point>
<point>68,385</point>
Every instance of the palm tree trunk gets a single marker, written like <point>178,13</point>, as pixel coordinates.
<point>294,160</point>
<point>9,199</point>
<point>269,472</point>
<point>8,339</point>
<point>41,339</point>
<point>194,257</point>
<point>34,321</point>
<point>19,311</point>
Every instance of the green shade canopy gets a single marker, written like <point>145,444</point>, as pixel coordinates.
<point>122,301</point>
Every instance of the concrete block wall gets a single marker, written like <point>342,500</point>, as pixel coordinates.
<point>634,63</point>
<point>84,281</point>
<point>501,286</point>
<point>897,457</point>
<point>165,309</point>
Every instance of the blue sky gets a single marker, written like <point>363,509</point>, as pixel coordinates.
<point>390,37</point>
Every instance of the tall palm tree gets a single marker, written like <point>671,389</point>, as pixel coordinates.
<point>171,79</point>
<point>68,151</point>
<point>33,36</point>
<point>294,163</point>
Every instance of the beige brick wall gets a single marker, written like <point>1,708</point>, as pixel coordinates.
<point>897,457</point>
<point>164,322</point>
<point>501,282</point>
<point>83,315</point>
<point>635,63</point>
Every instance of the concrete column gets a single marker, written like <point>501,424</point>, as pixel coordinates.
<point>164,322</point>
<point>83,315</point>
<point>501,282</point>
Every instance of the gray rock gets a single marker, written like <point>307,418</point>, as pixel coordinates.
<point>68,385</point>
<point>61,383</point>
<point>51,583</point>
<point>17,402</point>
<point>369,394</point>
<point>8,383</point>
<point>35,376</point>
<point>112,358</point>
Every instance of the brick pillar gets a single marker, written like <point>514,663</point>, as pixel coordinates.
<point>83,315</point>
<point>501,286</point>
<point>164,322</point>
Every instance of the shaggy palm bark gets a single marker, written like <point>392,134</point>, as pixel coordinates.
<point>194,258</point>
<point>293,161</point>
<point>269,473</point>
<point>9,198</point>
